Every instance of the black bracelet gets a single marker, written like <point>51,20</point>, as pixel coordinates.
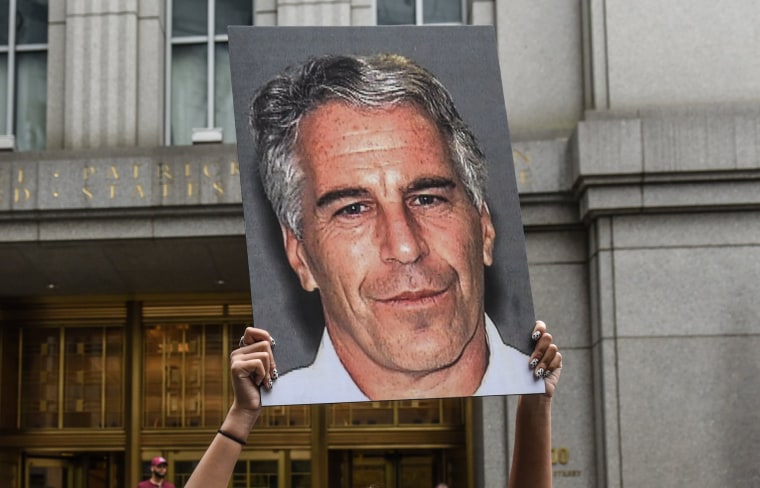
<point>231,437</point>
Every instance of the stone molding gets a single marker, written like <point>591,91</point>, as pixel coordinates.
<point>667,160</point>
<point>133,178</point>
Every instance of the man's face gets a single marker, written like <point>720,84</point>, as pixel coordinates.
<point>159,470</point>
<point>390,238</point>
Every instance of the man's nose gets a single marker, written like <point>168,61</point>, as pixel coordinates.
<point>400,236</point>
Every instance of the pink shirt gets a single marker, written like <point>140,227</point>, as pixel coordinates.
<point>149,484</point>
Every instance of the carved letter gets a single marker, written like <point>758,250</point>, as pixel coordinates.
<point>17,192</point>
<point>524,157</point>
<point>88,171</point>
<point>164,171</point>
<point>207,171</point>
<point>524,176</point>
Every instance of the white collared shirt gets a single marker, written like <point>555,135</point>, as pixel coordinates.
<point>327,381</point>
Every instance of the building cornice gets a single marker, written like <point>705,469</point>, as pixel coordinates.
<point>690,159</point>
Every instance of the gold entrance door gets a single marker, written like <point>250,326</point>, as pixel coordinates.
<point>80,470</point>
<point>254,469</point>
<point>385,468</point>
<point>50,473</point>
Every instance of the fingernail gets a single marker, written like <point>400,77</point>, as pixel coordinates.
<point>275,374</point>
<point>536,335</point>
<point>273,341</point>
<point>547,373</point>
<point>269,384</point>
<point>534,363</point>
<point>539,372</point>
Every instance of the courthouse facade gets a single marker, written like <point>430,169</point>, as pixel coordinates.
<point>123,275</point>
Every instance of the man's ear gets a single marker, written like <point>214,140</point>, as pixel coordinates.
<point>296,253</point>
<point>489,234</point>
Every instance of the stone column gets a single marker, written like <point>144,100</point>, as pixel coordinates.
<point>541,59</point>
<point>556,244</point>
<point>672,196</point>
<point>490,438</point>
<point>151,59</point>
<point>109,97</point>
<point>56,69</point>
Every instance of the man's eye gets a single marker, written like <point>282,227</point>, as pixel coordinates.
<point>352,209</point>
<point>424,200</point>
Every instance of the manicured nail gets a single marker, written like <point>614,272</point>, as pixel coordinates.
<point>539,372</point>
<point>272,341</point>
<point>536,335</point>
<point>269,384</point>
<point>547,373</point>
<point>534,363</point>
<point>275,374</point>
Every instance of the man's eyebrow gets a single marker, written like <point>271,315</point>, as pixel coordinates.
<point>431,183</point>
<point>335,195</point>
<point>420,184</point>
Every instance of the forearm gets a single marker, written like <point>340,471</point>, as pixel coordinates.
<point>532,459</point>
<point>217,464</point>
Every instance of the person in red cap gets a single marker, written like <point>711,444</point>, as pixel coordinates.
<point>158,467</point>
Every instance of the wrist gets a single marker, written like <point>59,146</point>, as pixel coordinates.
<point>536,402</point>
<point>239,421</point>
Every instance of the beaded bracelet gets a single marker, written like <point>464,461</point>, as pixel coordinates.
<point>231,437</point>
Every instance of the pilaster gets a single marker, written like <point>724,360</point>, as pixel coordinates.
<point>671,199</point>
<point>101,73</point>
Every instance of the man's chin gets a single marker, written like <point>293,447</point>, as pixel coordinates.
<point>421,363</point>
<point>432,353</point>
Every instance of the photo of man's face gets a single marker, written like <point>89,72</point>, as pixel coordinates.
<point>378,187</point>
<point>390,238</point>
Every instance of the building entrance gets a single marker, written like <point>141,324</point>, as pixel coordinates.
<point>106,386</point>
<point>398,468</point>
<point>80,470</point>
<point>254,468</point>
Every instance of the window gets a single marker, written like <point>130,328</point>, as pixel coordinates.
<point>23,71</point>
<point>183,375</point>
<point>256,472</point>
<point>198,67</point>
<point>447,412</point>
<point>72,377</point>
<point>419,12</point>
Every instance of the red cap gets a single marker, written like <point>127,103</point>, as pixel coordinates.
<point>158,460</point>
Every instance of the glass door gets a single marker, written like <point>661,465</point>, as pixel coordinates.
<point>81,470</point>
<point>254,469</point>
<point>385,468</point>
<point>49,473</point>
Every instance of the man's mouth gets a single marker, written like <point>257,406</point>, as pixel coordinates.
<point>415,298</point>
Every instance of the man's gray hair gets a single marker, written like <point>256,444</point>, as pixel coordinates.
<point>365,82</point>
